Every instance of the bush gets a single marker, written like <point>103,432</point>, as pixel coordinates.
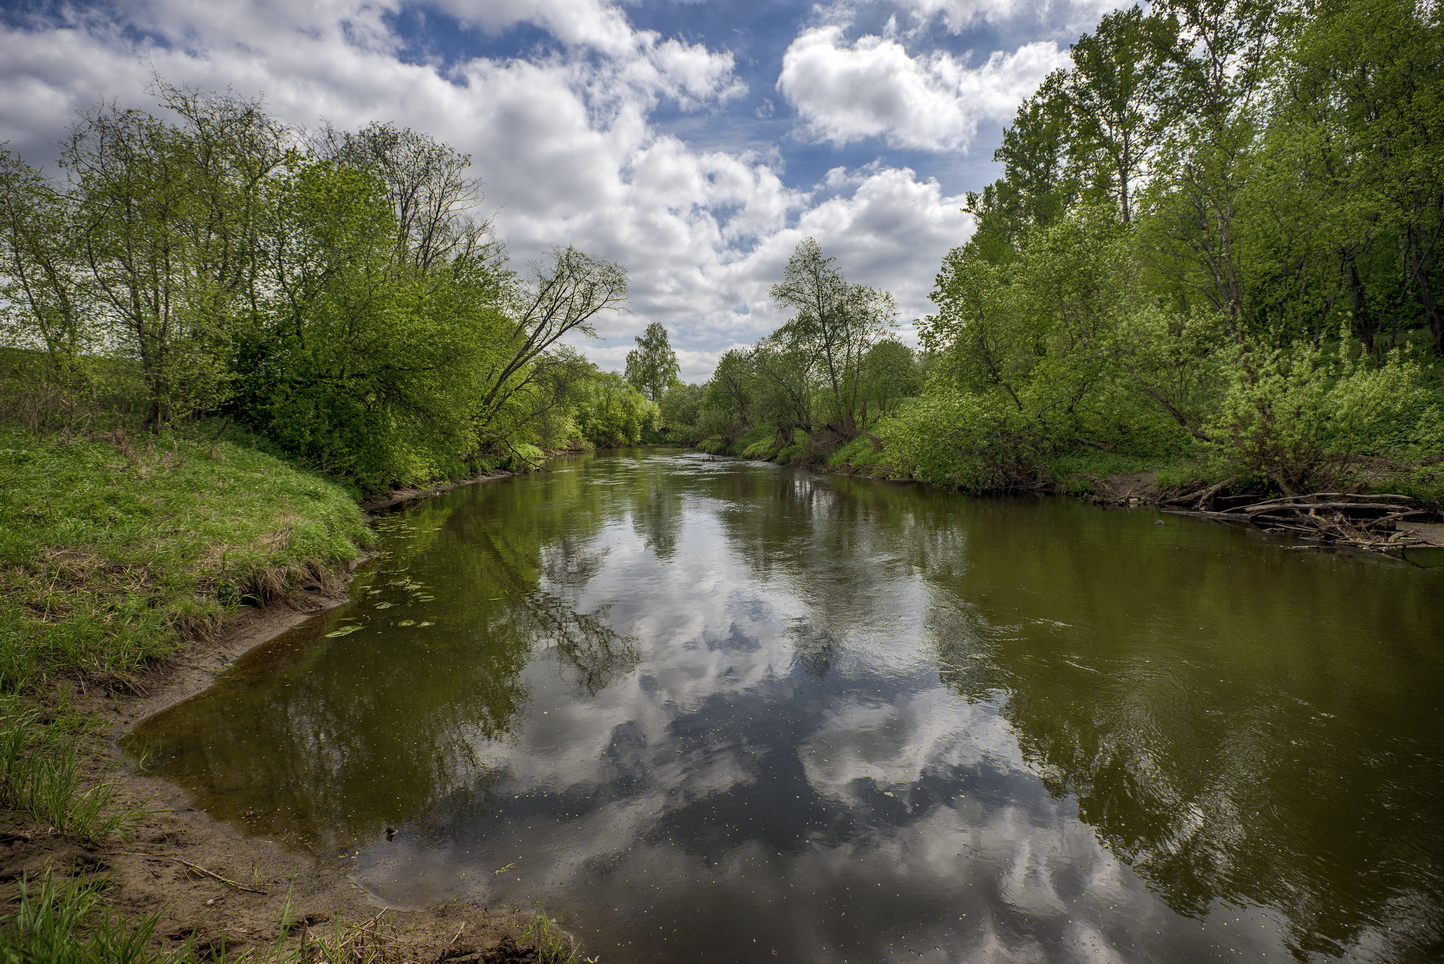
<point>1303,417</point>
<point>971,442</point>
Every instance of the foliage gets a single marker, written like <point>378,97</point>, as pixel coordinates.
<point>971,442</point>
<point>681,410</point>
<point>612,413</point>
<point>1187,215</point>
<point>335,295</point>
<point>652,365</point>
<point>815,359</point>
<point>1302,417</point>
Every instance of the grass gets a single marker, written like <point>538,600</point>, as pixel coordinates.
<point>64,920</point>
<point>60,922</point>
<point>546,936</point>
<point>40,774</point>
<point>114,550</point>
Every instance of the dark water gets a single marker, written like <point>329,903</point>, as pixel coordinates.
<point>723,712</point>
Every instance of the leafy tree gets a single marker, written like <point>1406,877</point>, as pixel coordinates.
<point>834,323</point>
<point>728,397</point>
<point>165,217</point>
<point>43,288</point>
<point>612,413</point>
<point>889,374</point>
<point>567,290</point>
<point>1215,87</point>
<point>681,409</point>
<point>427,186</point>
<point>370,369</point>
<point>1114,94</point>
<point>652,365</point>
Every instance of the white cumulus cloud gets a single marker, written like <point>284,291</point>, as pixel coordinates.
<point>873,87</point>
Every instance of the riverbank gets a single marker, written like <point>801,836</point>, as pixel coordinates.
<point>131,573</point>
<point>1366,517</point>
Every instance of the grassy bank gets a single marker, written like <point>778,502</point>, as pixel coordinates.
<point>114,551</point>
<point>1082,471</point>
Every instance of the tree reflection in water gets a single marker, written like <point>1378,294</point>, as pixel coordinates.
<point>708,698</point>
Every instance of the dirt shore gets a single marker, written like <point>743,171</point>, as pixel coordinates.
<point>214,886</point>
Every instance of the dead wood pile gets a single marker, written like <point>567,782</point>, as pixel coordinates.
<point>1378,523</point>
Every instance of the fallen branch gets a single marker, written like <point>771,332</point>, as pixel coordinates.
<point>201,870</point>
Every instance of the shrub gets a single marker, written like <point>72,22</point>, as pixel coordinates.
<point>1303,416</point>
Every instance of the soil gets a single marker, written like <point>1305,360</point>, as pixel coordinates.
<point>1136,489</point>
<point>214,886</point>
<point>382,501</point>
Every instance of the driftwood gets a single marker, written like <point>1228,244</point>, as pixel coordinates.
<point>1374,522</point>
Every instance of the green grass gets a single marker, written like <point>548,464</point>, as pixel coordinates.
<point>864,456</point>
<point>113,551</point>
<point>546,936</point>
<point>60,922</point>
<point>40,774</point>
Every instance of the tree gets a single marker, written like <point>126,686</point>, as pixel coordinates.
<point>1216,77</point>
<point>612,413</point>
<point>369,368</point>
<point>652,365</point>
<point>427,187</point>
<point>567,290</point>
<point>833,325</point>
<point>165,220</point>
<point>889,374</point>
<point>728,399</point>
<point>43,293</point>
<point>681,408</point>
<point>1115,94</point>
<point>1359,111</point>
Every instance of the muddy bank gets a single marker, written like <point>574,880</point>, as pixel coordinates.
<point>382,501</point>
<point>212,885</point>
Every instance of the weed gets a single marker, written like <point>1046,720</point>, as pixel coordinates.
<point>546,936</point>
<point>57,922</point>
<point>39,773</point>
<point>369,942</point>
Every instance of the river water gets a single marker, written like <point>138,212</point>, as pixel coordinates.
<point>726,712</point>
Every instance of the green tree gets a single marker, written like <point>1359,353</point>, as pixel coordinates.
<point>44,298</point>
<point>890,373</point>
<point>566,291</point>
<point>165,220</point>
<point>612,413</point>
<point>681,408</point>
<point>428,187</point>
<point>728,398</point>
<point>652,365</point>
<point>833,325</point>
<point>370,368</point>
<point>1115,97</point>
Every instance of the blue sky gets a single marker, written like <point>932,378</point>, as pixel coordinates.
<point>693,141</point>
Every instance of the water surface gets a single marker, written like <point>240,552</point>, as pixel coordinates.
<point>725,711</point>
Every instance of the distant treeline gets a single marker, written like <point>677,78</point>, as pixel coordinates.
<point>1212,247</point>
<point>331,291</point>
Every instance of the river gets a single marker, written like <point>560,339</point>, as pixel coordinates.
<point>718,711</point>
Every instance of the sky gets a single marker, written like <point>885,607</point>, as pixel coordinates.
<point>695,142</point>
